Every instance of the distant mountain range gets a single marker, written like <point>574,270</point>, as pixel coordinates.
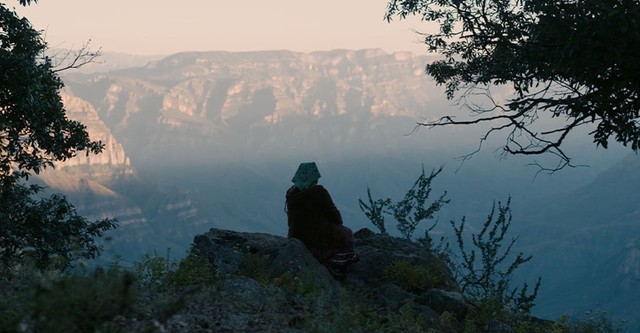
<point>225,101</point>
<point>211,139</point>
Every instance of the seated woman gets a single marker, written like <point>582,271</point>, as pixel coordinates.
<point>314,219</point>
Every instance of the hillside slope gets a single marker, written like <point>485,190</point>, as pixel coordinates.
<point>588,244</point>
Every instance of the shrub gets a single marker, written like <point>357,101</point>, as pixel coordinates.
<point>484,276</point>
<point>409,211</point>
<point>375,210</point>
<point>193,270</point>
<point>155,271</point>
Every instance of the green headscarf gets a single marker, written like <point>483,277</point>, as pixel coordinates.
<point>306,175</point>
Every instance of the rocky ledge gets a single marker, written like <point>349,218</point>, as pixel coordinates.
<point>267,283</point>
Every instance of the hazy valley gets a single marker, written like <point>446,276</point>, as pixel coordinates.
<point>201,140</point>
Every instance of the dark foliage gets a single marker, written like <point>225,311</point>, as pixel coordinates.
<point>413,208</point>
<point>409,211</point>
<point>574,61</point>
<point>375,211</point>
<point>34,133</point>
<point>486,270</point>
<point>47,231</point>
<point>34,130</point>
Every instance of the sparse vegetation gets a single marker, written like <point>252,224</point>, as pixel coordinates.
<point>155,271</point>
<point>375,211</point>
<point>413,277</point>
<point>193,270</point>
<point>485,273</point>
<point>410,210</point>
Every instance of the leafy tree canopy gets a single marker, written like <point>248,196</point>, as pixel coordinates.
<point>572,60</point>
<point>35,132</point>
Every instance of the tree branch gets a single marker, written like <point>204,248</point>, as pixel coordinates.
<point>73,59</point>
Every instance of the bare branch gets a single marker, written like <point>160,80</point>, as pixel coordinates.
<point>516,117</point>
<point>72,59</point>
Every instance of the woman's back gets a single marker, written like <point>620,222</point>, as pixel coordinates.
<point>314,219</point>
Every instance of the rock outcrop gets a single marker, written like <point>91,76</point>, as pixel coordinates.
<point>273,284</point>
<point>113,153</point>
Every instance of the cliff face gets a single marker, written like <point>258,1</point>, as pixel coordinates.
<point>113,154</point>
<point>219,103</point>
<point>217,85</point>
<point>222,86</point>
<point>104,168</point>
<point>107,186</point>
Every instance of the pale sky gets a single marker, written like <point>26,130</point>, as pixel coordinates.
<point>162,27</point>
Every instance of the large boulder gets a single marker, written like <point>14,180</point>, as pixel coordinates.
<point>378,252</point>
<point>401,274</point>
<point>231,252</point>
<point>288,262</point>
